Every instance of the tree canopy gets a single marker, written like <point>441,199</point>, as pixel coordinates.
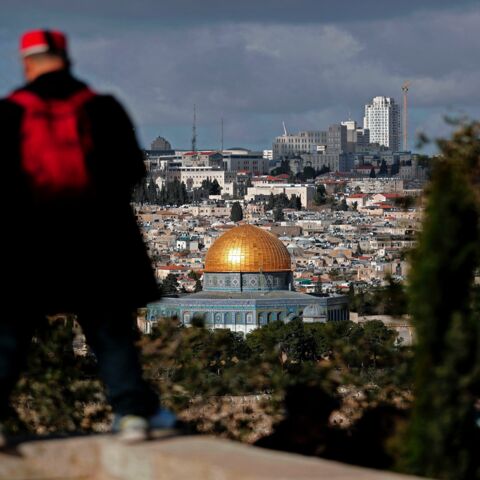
<point>236,213</point>
<point>443,439</point>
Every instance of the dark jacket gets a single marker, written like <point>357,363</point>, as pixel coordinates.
<point>69,254</point>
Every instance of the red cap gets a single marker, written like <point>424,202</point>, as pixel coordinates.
<point>43,41</point>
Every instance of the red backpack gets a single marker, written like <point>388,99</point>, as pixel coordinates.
<point>56,139</point>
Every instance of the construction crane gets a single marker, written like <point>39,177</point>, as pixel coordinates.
<point>284,130</point>
<point>405,88</point>
<point>194,130</point>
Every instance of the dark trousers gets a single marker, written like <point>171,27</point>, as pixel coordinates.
<point>112,339</point>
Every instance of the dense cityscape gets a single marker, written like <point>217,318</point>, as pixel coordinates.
<point>345,203</point>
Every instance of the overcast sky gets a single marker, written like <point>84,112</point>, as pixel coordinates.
<point>309,63</point>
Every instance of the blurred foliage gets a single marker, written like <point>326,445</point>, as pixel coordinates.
<point>443,440</point>
<point>388,300</point>
<point>222,383</point>
<point>59,391</point>
<point>190,366</point>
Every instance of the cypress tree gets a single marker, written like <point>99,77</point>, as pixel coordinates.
<point>215,188</point>
<point>278,214</point>
<point>383,172</point>
<point>152,192</point>
<point>236,213</point>
<point>443,440</point>
<point>271,202</point>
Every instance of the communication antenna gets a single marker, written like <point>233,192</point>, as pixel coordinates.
<point>222,134</point>
<point>405,88</point>
<point>194,129</point>
<point>284,129</point>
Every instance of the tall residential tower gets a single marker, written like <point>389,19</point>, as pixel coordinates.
<point>382,118</point>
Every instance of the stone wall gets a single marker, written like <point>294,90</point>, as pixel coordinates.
<point>168,457</point>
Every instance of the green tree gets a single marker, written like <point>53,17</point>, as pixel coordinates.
<point>298,203</point>
<point>443,440</point>
<point>193,275</point>
<point>58,391</point>
<point>395,169</point>
<point>295,202</point>
<point>152,192</point>
<point>282,200</point>
<point>283,168</point>
<point>215,189</point>
<point>372,173</point>
<point>383,172</point>
<point>309,172</point>
<point>198,286</point>
<point>320,196</point>
<point>207,185</point>
<point>290,341</point>
<point>170,284</point>
<point>278,214</point>
<point>405,202</point>
<point>343,206</point>
<point>236,213</point>
<point>325,169</point>
<point>271,202</point>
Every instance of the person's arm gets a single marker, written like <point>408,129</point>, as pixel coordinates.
<point>10,121</point>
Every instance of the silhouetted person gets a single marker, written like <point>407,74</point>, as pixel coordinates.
<point>71,243</point>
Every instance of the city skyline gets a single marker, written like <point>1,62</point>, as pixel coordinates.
<point>256,65</point>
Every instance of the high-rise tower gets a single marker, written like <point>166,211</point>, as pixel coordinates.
<point>382,118</point>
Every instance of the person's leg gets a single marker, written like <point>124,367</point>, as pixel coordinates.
<point>16,332</point>
<point>112,338</point>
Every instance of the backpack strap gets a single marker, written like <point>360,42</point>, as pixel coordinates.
<point>29,99</point>
<point>81,97</point>
<point>26,99</point>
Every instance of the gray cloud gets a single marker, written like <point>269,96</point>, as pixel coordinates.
<point>309,68</point>
<point>191,12</point>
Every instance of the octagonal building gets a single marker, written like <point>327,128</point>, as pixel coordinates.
<point>247,283</point>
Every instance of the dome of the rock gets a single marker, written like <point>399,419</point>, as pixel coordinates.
<point>247,248</point>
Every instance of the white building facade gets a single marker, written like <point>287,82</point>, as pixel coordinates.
<point>303,142</point>
<point>382,119</point>
<point>262,192</point>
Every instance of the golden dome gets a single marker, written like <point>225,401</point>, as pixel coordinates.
<point>247,249</point>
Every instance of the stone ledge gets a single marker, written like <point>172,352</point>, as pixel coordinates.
<point>166,458</point>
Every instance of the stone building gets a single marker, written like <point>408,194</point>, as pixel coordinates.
<point>247,283</point>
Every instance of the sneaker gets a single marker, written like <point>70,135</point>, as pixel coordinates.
<point>162,419</point>
<point>133,428</point>
<point>130,428</point>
